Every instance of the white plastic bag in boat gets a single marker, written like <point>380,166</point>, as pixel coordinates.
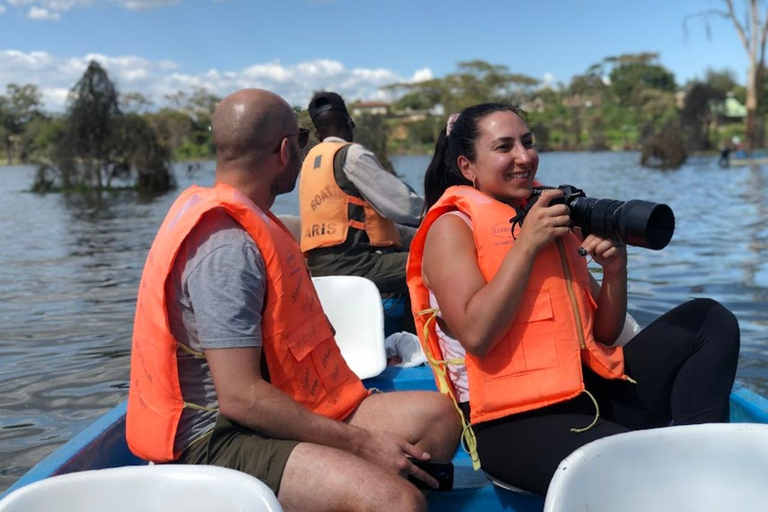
<point>406,347</point>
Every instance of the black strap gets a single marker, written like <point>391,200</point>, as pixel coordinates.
<point>342,181</point>
<point>354,212</point>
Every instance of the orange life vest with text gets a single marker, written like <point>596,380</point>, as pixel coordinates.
<point>538,362</point>
<point>327,212</point>
<point>298,344</point>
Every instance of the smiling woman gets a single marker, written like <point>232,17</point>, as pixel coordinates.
<point>520,333</point>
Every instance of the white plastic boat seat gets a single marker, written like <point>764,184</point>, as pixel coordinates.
<point>505,486</point>
<point>158,488</point>
<point>630,330</point>
<point>293,223</point>
<point>706,468</point>
<point>353,306</point>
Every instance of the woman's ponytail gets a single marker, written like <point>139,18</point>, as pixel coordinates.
<point>442,173</point>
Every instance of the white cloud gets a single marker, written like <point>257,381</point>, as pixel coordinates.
<point>41,13</point>
<point>46,9</point>
<point>549,80</point>
<point>146,4</point>
<point>422,75</point>
<point>156,79</point>
<point>53,9</point>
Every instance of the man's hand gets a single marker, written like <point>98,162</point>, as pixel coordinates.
<point>392,454</point>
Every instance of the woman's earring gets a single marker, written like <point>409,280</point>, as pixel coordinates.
<point>474,182</point>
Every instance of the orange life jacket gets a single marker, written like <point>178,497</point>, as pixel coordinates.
<point>327,212</point>
<point>301,354</point>
<point>538,361</point>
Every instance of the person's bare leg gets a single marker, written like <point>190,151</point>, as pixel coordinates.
<point>426,419</point>
<point>319,479</point>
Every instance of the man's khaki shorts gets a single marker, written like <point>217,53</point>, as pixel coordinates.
<point>236,447</point>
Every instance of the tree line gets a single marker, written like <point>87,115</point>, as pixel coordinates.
<point>625,102</point>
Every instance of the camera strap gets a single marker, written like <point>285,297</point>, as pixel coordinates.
<point>518,219</point>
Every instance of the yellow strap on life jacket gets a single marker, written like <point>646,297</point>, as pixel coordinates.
<point>200,407</point>
<point>197,355</point>
<point>440,369</point>
<point>594,421</point>
<point>188,350</point>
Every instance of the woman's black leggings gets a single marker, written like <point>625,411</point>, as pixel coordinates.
<point>684,364</point>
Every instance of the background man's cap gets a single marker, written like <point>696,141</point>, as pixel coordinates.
<point>324,102</point>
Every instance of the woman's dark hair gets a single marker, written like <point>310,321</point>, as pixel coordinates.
<point>443,172</point>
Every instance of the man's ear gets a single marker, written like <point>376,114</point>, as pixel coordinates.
<point>284,155</point>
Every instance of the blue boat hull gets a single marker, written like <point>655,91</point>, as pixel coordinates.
<point>102,445</point>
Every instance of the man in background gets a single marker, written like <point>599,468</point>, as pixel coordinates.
<point>353,210</point>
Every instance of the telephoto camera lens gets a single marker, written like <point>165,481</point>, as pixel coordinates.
<point>636,222</point>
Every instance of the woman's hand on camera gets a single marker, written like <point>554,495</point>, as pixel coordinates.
<point>607,253</point>
<point>545,223</point>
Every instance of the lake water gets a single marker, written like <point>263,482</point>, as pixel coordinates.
<point>69,271</point>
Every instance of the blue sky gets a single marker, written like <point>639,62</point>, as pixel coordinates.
<point>354,46</point>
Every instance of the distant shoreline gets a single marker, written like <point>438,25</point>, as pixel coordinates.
<point>711,153</point>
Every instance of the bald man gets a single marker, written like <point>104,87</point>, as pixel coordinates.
<point>233,361</point>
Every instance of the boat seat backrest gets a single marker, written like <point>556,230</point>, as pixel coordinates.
<point>713,467</point>
<point>353,306</point>
<point>630,330</point>
<point>293,223</point>
<point>171,488</point>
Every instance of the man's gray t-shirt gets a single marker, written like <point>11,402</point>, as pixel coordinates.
<point>215,298</point>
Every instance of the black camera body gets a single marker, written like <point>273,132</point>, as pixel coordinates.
<point>635,222</point>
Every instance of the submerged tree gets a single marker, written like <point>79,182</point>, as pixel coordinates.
<point>99,144</point>
<point>697,115</point>
<point>665,149</point>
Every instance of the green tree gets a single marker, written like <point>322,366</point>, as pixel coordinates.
<point>304,121</point>
<point>721,80</point>
<point>588,84</point>
<point>541,134</point>
<point>144,153</point>
<point>416,100</point>
<point>634,74</point>
<point>36,137</point>
<point>373,132</point>
<point>171,126</point>
<point>18,107</point>
<point>474,82</point>
<point>134,102</point>
<point>198,107</point>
